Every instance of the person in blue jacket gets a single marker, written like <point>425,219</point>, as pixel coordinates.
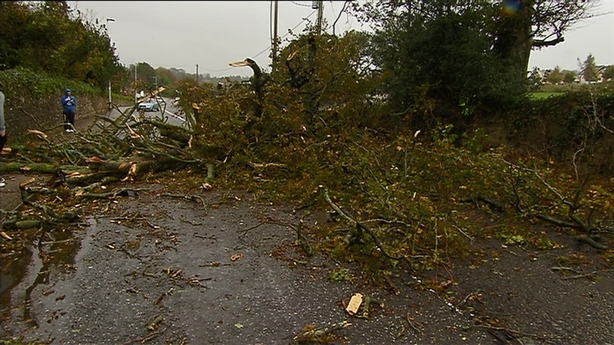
<point>69,103</point>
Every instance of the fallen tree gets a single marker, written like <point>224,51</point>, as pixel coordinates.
<point>398,199</point>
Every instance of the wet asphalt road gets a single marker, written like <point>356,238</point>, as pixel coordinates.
<point>154,270</point>
<point>149,269</point>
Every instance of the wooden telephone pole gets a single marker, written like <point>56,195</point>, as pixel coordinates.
<point>274,59</point>
<point>319,5</point>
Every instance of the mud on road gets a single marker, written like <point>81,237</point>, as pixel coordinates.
<point>223,269</point>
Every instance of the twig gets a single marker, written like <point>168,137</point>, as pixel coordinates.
<point>468,297</point>
<point>411,324</point>
<point>188,197</point>
<point>462,232</point>
<point>513,332</point>
<point>250,228</point>
<point>312,335</point>
<point>300,238</point>
<point>591,242</point>
<point>146,338</point>
<point>581,275</point>
<point>154,324</point>
<point>360,226</point>
<point>31,116</point>
<point>577,276</point>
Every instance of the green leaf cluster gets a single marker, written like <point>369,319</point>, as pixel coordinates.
<point>48,37</point>
<point>320,123</point>
<point>21,83</point>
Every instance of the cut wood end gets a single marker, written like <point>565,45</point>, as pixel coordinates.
<point>133,170</point>
<point>94,159</point>
<point>38,133</point>
<point>238,64</point>
<point>354,304</point>
<point>26,182</point>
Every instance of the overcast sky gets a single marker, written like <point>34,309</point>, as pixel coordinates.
<point>211,34</point>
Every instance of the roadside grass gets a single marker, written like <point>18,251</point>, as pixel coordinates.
<point>544,95</point>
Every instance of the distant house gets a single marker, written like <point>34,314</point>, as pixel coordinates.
<point>600,77</point>
<point>601,73</point>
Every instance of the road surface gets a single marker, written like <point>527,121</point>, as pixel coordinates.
<point>169,113</point>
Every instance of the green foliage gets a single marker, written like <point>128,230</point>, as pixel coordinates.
<point>325,120</point>
<point>20,83</point>
<point>48,37</point>
<point>556,76</point>
<point>17,342</point>
<point>569,77</point>
<point>340,275</point>
<point>543,95</point>
<point>441,55</point>
<point>320,128</point>
<point>574,124</point>
<point>589,69</point>
<point>146,74</point>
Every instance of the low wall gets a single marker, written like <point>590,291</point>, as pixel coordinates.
<point>45,114</point>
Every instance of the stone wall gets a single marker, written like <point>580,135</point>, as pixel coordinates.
<point>45,114</point>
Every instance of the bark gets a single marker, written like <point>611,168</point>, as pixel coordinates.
<point>257,83</point>
<point>179,134</point>
<point>514,39</point>
<point>537,24</point>
<point>44,168</point>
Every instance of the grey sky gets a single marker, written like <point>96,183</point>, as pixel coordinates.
<point>182,34</point>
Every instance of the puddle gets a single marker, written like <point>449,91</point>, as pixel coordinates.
<point>28,268</point>
<point>13,270</point>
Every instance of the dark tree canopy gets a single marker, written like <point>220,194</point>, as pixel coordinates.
<point>49,37</point>
<point>453,57</point>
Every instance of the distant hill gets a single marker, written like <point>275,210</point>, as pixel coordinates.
<point>181,74</point>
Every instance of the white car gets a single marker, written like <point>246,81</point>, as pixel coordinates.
<point>149,105</point>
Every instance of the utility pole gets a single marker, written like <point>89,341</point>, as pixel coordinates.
<point>135,71</point>
<point>109,20</point>
<point>196,74</point>
<point>320,6</point>
<point>275,36</point>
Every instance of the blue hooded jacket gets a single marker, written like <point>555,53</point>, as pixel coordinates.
<point>68,101</point>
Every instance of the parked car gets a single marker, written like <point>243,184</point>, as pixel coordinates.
<point>149,105</point>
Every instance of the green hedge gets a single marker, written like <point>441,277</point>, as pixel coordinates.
<point>20,82</point>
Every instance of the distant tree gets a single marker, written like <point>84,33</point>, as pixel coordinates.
<point>609,72</point>
<point>146,74</point>
<point>48,36</point>
<point>439,54</point>
<point>569,76</point>
<point>589,69</point>
<point>165,77</point>
<point>535,80</point>
<point>556,76</point>
<point>121,80</point>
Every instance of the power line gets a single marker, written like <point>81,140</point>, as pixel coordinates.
<point>296,3</point>
<point>287,33</point>
<point>266,49</point>
<point>345,3</point>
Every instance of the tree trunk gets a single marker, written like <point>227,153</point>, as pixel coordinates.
<point>514,40</point>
